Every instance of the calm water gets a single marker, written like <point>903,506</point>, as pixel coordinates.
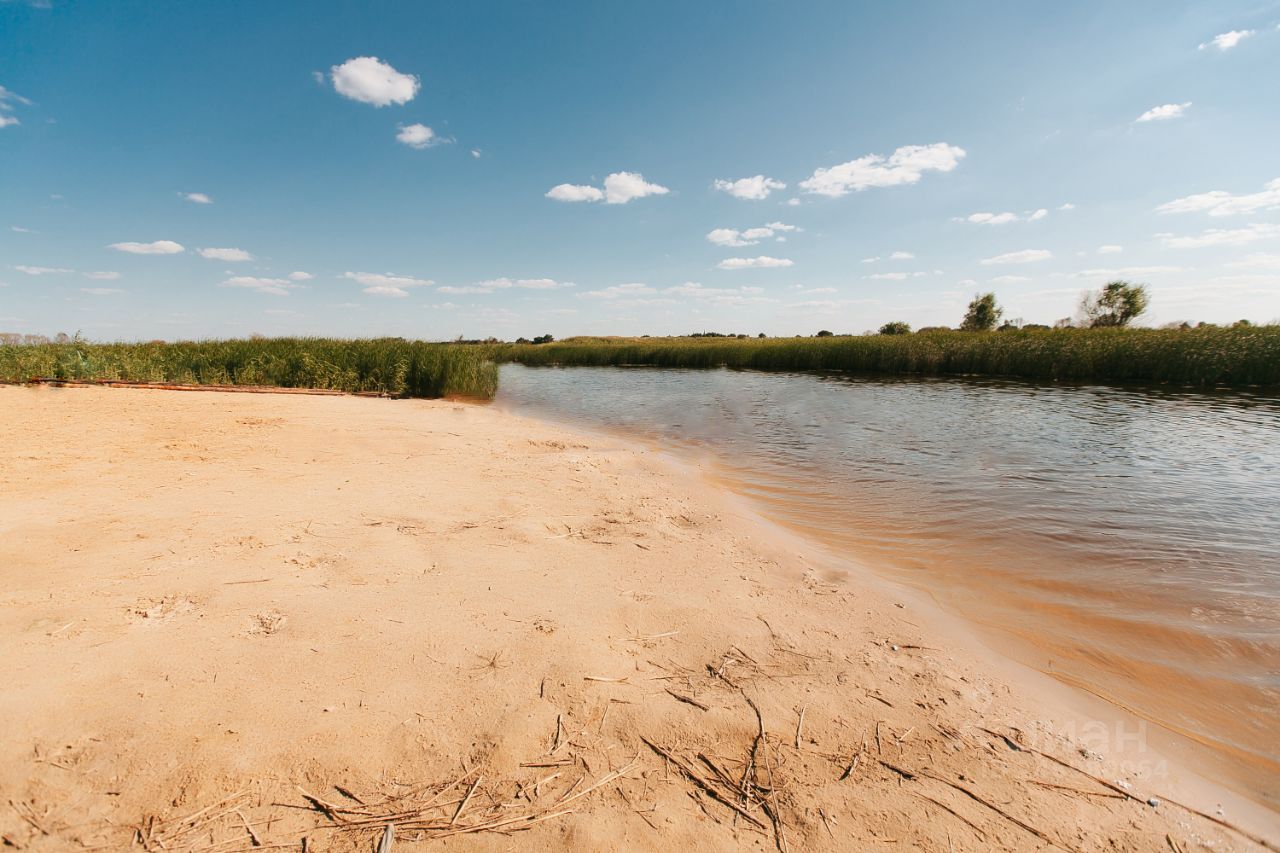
<point>1126,541</point>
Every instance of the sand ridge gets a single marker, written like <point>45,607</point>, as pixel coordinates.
<point>231,620</point>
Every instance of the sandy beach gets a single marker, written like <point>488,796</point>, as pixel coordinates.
<point>244,621</point>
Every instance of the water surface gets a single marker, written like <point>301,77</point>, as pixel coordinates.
<point>1126,541</point>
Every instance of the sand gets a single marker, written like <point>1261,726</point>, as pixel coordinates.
<point>230,620</point>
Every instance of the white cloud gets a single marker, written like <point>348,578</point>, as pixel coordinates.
<point>719,295</point>
<point>7,99</point>
<point>1126,272</point>
<point>159,247</point>
<point>416,135</point>
<point>1164,112</point>
<point>318,76</point>
<point>792,202</point>
<point>574,192</point>
<point>753,263</point>
<point>102,276</point>
<point>299,275</point>
<point>101,291</point>
<point>902,256</point>
<point>272,286</point>
<point>906,165</point>
<point>18,229</point>
<point>225,254</point>
<point>1038,215</point>
<point>889,276</point>
<point>1258,260</point>
<point>1026,256</point>
<point>619,188</point>
<point>749,237</point>
<point>1223,203</point>
<point>988,218</point>
<point>493,284</point>
<point>1067,206</point>
<point>1010,279</point>
<point>386,284</point>
<point>198,198</point>
<point>1110,250</point>
<point>1222,237</point>
<point>41,270</point>
<point>476,152</point>
<point>753,188</point>
<point>620,291</point>
<point>371,81</point>
<point>811,290</point>
<point>871,260</point>
<point>8,121</point>
<point>1226,41</point>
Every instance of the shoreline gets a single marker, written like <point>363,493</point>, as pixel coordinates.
<point>473,604</point>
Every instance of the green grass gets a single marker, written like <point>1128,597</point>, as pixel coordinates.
<point>1204,356</point>
<point>386,365</point>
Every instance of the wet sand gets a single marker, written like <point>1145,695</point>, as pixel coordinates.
<point>230,617</point>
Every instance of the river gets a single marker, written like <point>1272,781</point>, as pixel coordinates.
<point>1125,541</point>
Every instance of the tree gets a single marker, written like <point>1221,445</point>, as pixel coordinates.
<point>983,314</point>
<point>1116,304</point>
<point>897,327</point>
<point>823,333</point>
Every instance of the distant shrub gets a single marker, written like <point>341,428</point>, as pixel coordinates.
<point>897,327</point>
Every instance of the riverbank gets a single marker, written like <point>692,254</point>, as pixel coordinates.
<point>239,616</point>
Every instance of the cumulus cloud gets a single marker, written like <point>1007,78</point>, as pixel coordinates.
<point>1226,41</point>
<point>159,247</point>
<point>620,291</point>
<point>749,237</point>
<point>417,136</point>
<point>1223,203</point>
<point>906,165</point>
<point>198,198</point>
<point>1257,260</point>
<point>719,295</point>
<point>988,218</point>
<point>299,275</point>
<point>1010,279</point>
<point>8,98</point>
<point>1067,206</point>
<point>1164,112</point>
<point>1026,256</point>
<point>103,275</point>
<point>1222,237</point>
<point>18,229</point>
<point>901,256</point>
<point>574,192</point>
<point>1038,215</point>
<point>101,291</point>
<point>871,260</point>
<point>888,276</point>
<point>41,270</point>
<point>753,188</point>
<point>225,254</point>
<point>386,284</point>
<point>371,81</point>
<point>272,286</point>
<point>763,261</point>
<point>1110,250</point>
<point>619,188</point>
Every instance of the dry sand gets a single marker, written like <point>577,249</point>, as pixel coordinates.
<point>213,603</point>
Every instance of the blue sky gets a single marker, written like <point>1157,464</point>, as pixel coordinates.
<point>183,169</point>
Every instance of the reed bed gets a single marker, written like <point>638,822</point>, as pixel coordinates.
<point>392,366</point>
<point>1232,357</point>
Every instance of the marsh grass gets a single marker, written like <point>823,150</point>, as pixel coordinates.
<point>391,366</point>
<point>1203,356</point>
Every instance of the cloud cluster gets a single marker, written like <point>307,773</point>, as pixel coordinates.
<point>619,188</point>
<point>272,286</point>
<point>643,294</point>
<point>906,165</point>
<point>754,188</point>
<point>8,98</point>
<point>101,291</point>
<point>1226,41</point>
<point>41,270</point>
<point>386,284</point>
<point>371,81</point>
<point>1223,203</point>
<point>1026,256</point>
<point>1222,237</point>
<point>761,262</point>
<point>495,284</point>
<point>1006,217</point>
<point>1164,112</point>
<point>158,247</point>
<point>197,198</point>
<point>749,237</point>
<point>229,255</point>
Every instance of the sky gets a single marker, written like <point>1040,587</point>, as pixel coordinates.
<point>186,170</point>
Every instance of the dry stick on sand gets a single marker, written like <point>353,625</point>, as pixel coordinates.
<point>779,832</point>
<point>462,805</point>
<point>701,783</point>
<point>688,701</point>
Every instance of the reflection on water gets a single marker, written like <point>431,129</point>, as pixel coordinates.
<point>1129,540</point>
